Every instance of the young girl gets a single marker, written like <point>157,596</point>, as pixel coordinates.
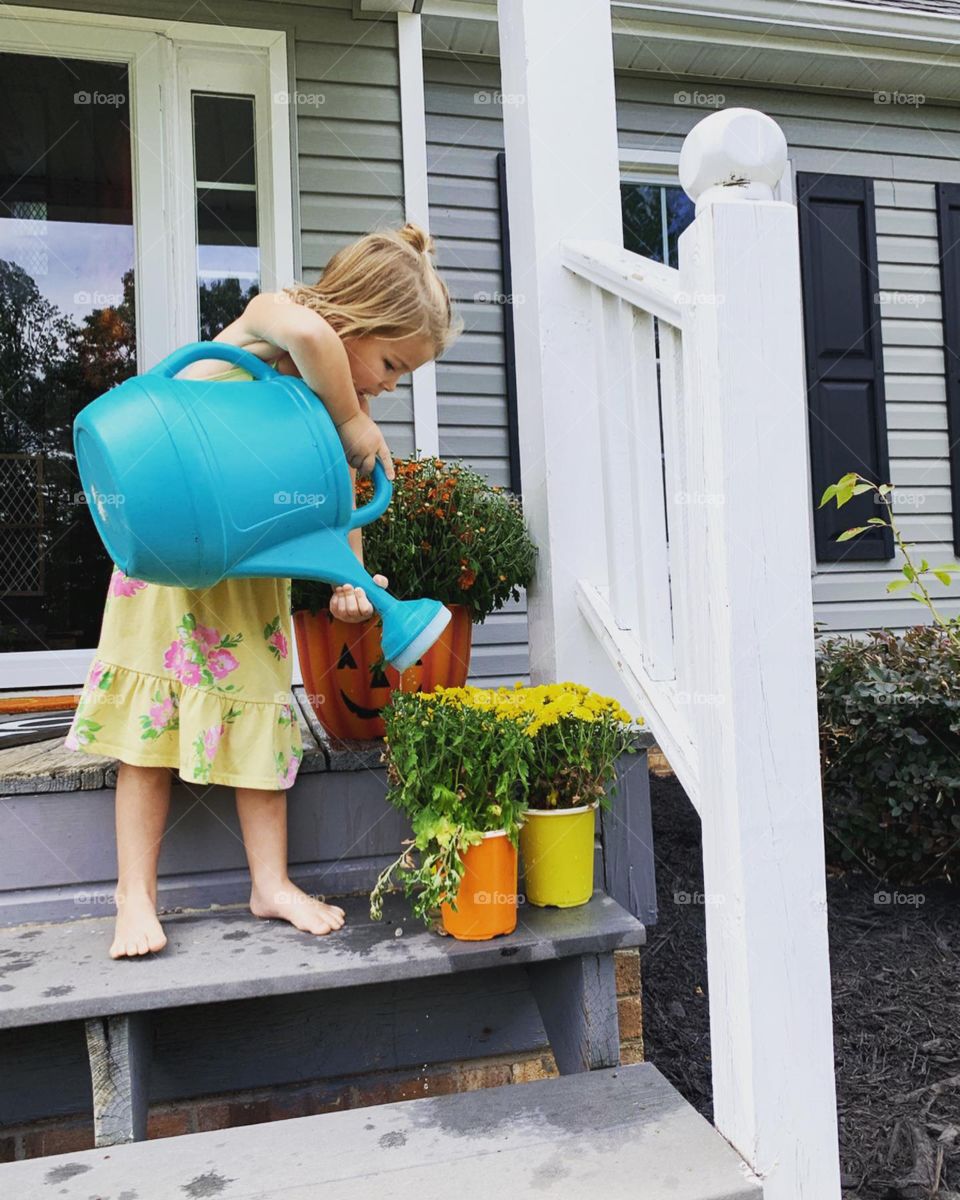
<point>199,679</point>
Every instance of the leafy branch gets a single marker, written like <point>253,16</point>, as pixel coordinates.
<point>914,576</point>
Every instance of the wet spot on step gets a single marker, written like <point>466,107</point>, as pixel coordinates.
<point>395,1138</point>
<point>62,989</point>
<point>210,1184</point>
<point>31,933</point>
<point>237,935</point>
<point>268,949</point>
<point>67,1171</point>
<point>369,1126</point>
<point>6,987</point>
<point>128,1195</point>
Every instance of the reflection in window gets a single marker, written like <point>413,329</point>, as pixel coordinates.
<point>228,255</point>
<point>67,330</point>
<point>654,216</point>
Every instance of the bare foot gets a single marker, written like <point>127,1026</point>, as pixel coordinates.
<point>287,902</point>
<point>137,930</point>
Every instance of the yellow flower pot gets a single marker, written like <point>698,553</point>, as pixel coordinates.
<point>557,849</point>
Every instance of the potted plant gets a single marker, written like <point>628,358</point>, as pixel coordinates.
<point>577,737</point>
<point>458,769</point>
<point>448,534</point>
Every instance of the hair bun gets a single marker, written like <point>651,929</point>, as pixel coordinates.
<point>417,237</point>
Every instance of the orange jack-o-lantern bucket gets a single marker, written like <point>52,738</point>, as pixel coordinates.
<point>348,691</point>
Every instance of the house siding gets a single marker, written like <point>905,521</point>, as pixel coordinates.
<point>905,154</point>
<point>464,136</point>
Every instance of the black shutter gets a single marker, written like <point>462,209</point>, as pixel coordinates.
<point>844,356</point>
<point>948,216</point>
<point>510,365</point>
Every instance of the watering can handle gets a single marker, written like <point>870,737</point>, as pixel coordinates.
<point>382,495</point>
<point>195,351</point>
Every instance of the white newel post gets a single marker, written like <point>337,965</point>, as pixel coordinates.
<point>563,181</point>
<point>756,729</point>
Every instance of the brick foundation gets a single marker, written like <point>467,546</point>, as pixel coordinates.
<point>65,1135</point>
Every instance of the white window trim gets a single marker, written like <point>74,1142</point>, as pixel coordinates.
<point>163,57</point>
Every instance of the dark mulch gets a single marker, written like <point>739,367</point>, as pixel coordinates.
<point>896,1009</point>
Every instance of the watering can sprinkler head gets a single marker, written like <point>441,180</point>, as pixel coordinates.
<point>216,452</point>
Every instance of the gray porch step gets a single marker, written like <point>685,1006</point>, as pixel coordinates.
<point>61,971</point>
<point>618,1133</point>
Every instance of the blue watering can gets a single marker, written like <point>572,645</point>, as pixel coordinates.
<point>191,481</point>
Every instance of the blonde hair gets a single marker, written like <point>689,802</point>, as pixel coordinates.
<point>384,284</point>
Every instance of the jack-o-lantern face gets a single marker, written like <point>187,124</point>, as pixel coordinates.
<point>378,683</point>
<point>348,688</point>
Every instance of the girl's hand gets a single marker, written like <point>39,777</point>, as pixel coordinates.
<point>351,604</point>
<point>363,444</point>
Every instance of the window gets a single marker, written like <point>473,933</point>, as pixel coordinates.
<point>225,179</point>
<point>654,216</point>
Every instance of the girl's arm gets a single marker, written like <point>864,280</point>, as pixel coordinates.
<point>272,322</point>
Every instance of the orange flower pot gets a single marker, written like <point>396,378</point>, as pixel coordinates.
<point>487,899</point>
<point>337,663</point>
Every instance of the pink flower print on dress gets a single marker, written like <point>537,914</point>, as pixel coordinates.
<point>276,639</point>
<point>163,716</point>
<point>206,744</point>
<point>211,740</point>
<point>221,663</point>
<point>201,656</point>
<point>207,637</point>
<point>175,657</point>
<point>123,585</point>
<point>95,672</point>
<point>287,768</point>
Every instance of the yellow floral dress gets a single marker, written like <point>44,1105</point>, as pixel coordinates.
<point>197,679</point>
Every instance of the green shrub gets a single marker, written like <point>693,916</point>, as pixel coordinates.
<point>890,752</point>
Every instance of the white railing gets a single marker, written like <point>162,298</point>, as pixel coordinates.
<point>674,571</point>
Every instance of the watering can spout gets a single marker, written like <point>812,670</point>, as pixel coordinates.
<point>410,627</point>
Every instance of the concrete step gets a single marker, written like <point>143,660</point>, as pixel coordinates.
<point>619,1133</point>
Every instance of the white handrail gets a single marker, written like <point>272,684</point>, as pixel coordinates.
<point>648,285</point>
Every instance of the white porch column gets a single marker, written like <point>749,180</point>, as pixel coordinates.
<point>563,181</point>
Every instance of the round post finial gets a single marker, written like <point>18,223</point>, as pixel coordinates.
<point>733,154</point>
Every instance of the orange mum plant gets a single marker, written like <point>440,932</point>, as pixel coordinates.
<point>448,534</point>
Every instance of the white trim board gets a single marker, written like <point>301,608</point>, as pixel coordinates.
<point>413,125</point>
